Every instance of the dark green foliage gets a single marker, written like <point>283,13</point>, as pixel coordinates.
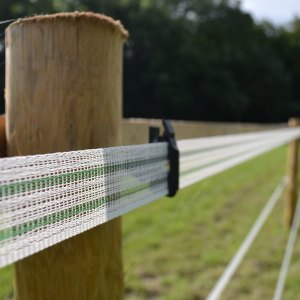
<point>196,59</point>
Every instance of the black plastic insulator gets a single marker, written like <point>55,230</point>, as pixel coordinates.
<point>173,153</point>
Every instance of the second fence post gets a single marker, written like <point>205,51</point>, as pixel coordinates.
<point>2,136</point>
<point>292,174</point>
<point>64,92</point>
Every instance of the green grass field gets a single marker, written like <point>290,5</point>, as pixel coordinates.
<point>176,248</point>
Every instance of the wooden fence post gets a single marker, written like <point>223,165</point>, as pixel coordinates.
<point>292,173</point>
<point>2,136</point>
<point>64,92</point>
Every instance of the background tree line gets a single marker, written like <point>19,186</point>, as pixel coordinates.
<point>193,59</point>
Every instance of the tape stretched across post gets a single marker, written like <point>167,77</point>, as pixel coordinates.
<point>45,199</point>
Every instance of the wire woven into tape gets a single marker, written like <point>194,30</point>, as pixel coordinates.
<point>45,199</point>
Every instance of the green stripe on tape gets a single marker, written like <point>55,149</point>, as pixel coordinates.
<point>76,210</point>
<point>41,183</point>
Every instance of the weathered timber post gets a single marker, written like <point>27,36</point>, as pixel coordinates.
<point>64,92</point>
<point>292,173</point>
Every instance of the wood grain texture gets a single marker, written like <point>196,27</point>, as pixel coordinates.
<point>2,136</point>
<point>292,176</point>
<point>64,92</point>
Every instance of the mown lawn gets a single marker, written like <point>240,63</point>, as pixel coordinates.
<point>6,283</point>
<point>176,248</point>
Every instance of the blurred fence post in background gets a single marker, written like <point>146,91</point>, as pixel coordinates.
<point>64,92</point>
<point>2,136</point>
<point>292,173</point>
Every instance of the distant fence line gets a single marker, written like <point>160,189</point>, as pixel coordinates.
<point>135,131</point>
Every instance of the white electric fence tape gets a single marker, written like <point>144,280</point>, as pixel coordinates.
<point>204,157</point>
<point>248,241</point>
<point>288,254</point>
<point>45,199</point>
